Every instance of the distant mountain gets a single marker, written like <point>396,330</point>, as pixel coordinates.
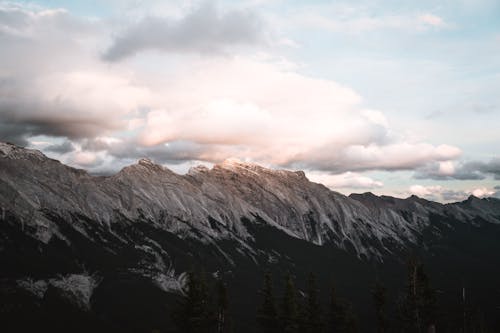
<point>111,252</point>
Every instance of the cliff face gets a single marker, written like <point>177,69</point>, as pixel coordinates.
<point>211,203</point>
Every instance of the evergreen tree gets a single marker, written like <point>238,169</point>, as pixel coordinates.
<point>302,317</point>
<point>267,314</point>
<point>193,313</point>
<point>289,316</point>
<point>312,311</point>
<point>350,322</point>
<point>380,301</point>
<point>341,316</point>
<point>427,301</point>
<point>222,305</point>
<point>336,320</point>
<point>417,309</point>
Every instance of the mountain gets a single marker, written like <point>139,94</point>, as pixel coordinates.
<point>111,252</point>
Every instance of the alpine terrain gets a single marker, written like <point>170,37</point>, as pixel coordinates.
<point>111,253</point>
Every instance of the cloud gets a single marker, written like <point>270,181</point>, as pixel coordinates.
<point>270,113</point>
<point>350,180</point>
<point>395,155</point>
<point>471,170</point>
<point>204,30</point>
<point>61,148</point>
<point>170,153</point>
<point>252,106</point>
<point>439,193</point>
<point>426,191</point>
<point>356,19</point>
<point>482,192</point>
<point>432,20</point>
<point>86,159</point>
<point>62,91</point>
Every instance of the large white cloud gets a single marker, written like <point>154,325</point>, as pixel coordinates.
<point>350,180</point>
<point>251,106</point>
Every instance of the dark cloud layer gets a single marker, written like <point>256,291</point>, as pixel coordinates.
<point>40,54</point>
<point>473,170</point>
<point>16,125</point>
<point>61,148</point>
<point>204,30</point>
<point>172,153</point>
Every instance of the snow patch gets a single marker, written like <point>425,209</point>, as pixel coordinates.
<point>36,287</point>
<point>77,287</point>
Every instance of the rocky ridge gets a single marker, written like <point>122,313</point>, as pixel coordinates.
<point>214,201</point>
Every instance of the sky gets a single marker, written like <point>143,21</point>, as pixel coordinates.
<point>394,97</point>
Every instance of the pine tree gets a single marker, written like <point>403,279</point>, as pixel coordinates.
<point>417,309</point>
<point>350,321</point>
<point>289,316</point>
<point>427,301</point>
<point>267,314</point>
<point>222,305</point>
<point>336,320</point>
<point>341,316</point>
<point>380,301</point>
<point>302,317</point>
<point>194,313</point>
<point>312,311</point>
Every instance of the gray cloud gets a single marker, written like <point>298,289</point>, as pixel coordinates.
<point>492,167</point>
<point>41,51</point>
<point>204,30</point>
<point>450,195</point>
<point>473,170</point>
<point>20,121</point>
<point>13,133</point>
<point>175,152</point>
<point>380,154</point>
<point>61,148</point>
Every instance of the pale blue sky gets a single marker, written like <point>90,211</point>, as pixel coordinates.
<point>394,97</point>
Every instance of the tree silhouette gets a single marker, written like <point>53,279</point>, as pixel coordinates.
<point>380,302</point>
<point>194,313</point>
<point>312,311</point>
<point>417,309</point>
<point>266,313</point>
<point>341,316</point>
<point>222,306</point>
<point>289,315</point>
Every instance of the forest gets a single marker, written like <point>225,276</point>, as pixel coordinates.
<point>206,307</point>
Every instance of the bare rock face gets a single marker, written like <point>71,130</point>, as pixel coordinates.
<point>213,202</point>
<point>32,183</point>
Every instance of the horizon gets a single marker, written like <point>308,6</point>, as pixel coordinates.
<point>392,99</point>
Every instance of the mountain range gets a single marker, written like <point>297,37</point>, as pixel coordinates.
<point>112,252</point>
